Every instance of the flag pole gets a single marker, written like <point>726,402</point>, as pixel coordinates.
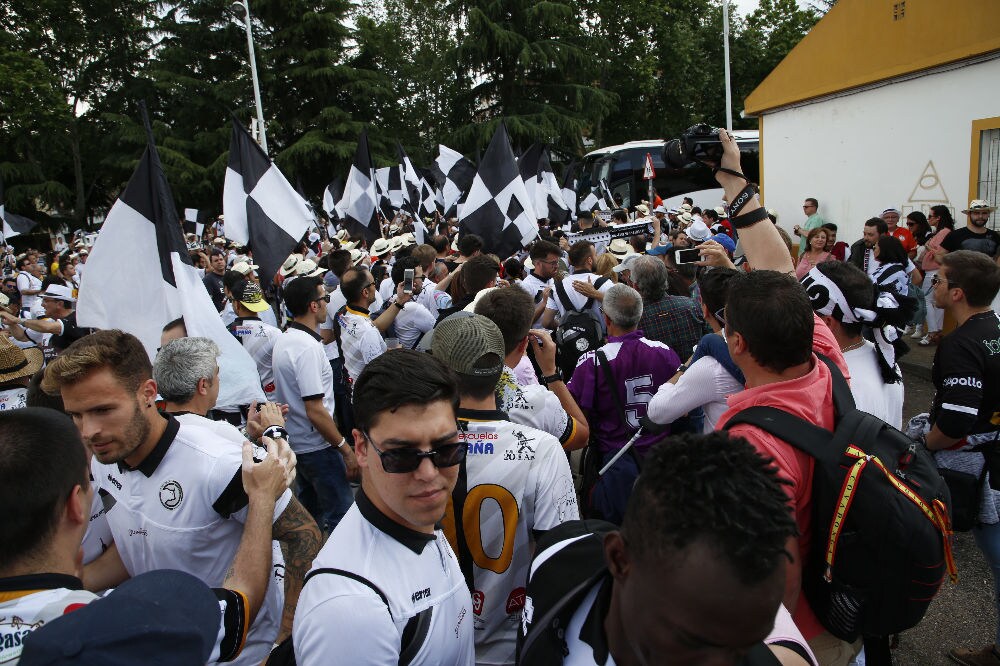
<point>725,48</point>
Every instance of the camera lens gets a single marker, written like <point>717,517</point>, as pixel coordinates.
<point>673,154</point>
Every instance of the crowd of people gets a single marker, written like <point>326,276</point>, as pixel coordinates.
<point>438,420</point>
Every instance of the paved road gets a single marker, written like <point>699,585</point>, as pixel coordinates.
<point>962,614</point>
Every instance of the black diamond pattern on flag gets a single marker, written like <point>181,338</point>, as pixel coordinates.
<point>261,207</point>
<point>158,284</point>
<point>332,195</point>
<point>428,200</point>
<point>454,175</point>
<point>360,201</point>
<point>528,167</point>
<point>487,207</point>
<point>383,177</point>
<point>557,210</point>
<point>195,221</point>
<point>13,225</point>
<point>410,183</point>
<point>590,202</point>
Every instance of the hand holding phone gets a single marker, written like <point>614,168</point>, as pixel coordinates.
<point>408,281</point>
<point>689,256</point>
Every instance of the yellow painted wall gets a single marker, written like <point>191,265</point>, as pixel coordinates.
<point>859,42</point>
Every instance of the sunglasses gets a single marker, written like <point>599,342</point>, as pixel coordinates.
<point>407,459</point>
<point>325,299</point>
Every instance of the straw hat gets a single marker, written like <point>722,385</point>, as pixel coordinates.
<point>16,363</point>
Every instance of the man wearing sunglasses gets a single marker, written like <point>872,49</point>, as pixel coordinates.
<point>360,335</point>
<point>516,484</point>
<point>387,587</point>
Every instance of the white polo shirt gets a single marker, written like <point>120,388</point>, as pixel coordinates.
<point>360,339</point>
<point>534,286</point>
<point>258,339</point>
<point>302,372</point>
<point>33,303</point>
<point>339,618</point>
<point>183,508</point>
<point>534,406</point>
<point>517,482</point>
<point>411,323</point>
<point>337,302</point>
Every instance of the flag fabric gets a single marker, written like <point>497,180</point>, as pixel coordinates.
<point>541,185</point>
<point>527,166</point>
<point>386,183</point>
<point>454,175</point>
<point>194,221</point>
<point>158,284</point>
<point>261,207</point>
<point>428,200</point>
<point>359,205</point>
<point>558,210</point>
<point>332,195</point>
<point>13,225</point>
<point>410,183</point>
<point>569,187</point>
<point>607,201</point>
<point>497,207</point>
<point>590,202</point>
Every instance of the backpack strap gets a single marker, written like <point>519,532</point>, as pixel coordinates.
<point>843,399</point>
<point>564,298</point>
<point>609,376</point>
<point>801,434</point>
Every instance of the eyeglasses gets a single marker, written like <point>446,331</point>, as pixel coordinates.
<point>936,280</point>
<point>720,315</point>
<point>911,224</point>
<point>548,261</point>
<point>325,299</point>
<point>407,459</point>
<point>370,284</point>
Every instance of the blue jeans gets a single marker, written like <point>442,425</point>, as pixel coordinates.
<point>323,487</point>
<point>988,540</point>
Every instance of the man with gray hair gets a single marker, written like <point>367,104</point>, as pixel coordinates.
<point>613,385</point>
<point>675,321</point>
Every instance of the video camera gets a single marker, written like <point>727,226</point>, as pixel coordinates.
<point>698,144</point>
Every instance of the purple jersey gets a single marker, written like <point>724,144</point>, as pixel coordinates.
<point>640,366</point>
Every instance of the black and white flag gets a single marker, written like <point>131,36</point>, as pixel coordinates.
<point>158,284</point>
<point>607,201</point>
<point>390,191</point>
<point>261,207</point>
<point>497,207</point>
<point>569,187</point>
<point>590,202</point>
<point>411,183</point>
<point>454,174</point>
<point>195,220</point>
<point>527,166</point>
<point>332,194</point>
<point>541,184</point>
<point>359,204</point>
<point>13,225</point>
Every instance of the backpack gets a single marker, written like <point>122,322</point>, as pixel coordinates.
<point>882,532</point>
<point>568,563</point>
<point>579,331</point>
<point>414,633</point>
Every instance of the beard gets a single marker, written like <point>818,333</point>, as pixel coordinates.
<point>135,433</point>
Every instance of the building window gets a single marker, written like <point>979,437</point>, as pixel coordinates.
<point>899,10</point>
<point>984,173</point>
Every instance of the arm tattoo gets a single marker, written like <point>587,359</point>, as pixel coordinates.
<point>301,541</point>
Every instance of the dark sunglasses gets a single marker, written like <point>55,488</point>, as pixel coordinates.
<point>325,299</point>
<point>407,459</point>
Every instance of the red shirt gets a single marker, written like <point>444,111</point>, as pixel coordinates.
<point>809,397</point>
<point>905,237</point>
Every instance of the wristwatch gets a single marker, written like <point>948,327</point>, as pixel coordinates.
<point>550,379</point>
<point>275,432</point>
<point>401,306</point>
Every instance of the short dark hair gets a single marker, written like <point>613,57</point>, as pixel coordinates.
<point>890,251</point>
<point>398,378</point>
<point>469,244</point>
<point>879,224</point>
<point>41,460</point>
<point>353,282</point>
<point>711,214</point>
<point>579,252</point>
<point>513,269</point>
<point>975,274</point>
<point>511,309</point>
<point>813,201</point>
<point>620,215</point>
<point>120,352</point>
<point>748,521</point>
<point>216,252</point>
<point>401,265</point>
<point>478,272</point>
<point>480,387</point>
<point>338,261</point>
<point>829,225</point>
<point>300,294</point>
<point>856,286</point>
<point>439,243</point>
<point>714,287</point>
<point>231,278</point>
<point>542,249</point>
<point>773,314</point>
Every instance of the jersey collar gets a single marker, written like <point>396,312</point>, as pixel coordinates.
<point>155,457</point>
<point>592,630</point>
<point>357,310</point>
<point>412,539</point>
<point>481,415</point>
<point>302,327</point>
<point>240,320</point>
<point>18,586</point>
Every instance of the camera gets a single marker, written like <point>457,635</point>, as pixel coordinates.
<point>699,143</point>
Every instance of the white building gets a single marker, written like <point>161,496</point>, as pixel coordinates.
<point>885,103</point>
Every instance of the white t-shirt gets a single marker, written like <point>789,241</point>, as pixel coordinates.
<point>534,286</point>
<point>337,302</point>
<point>258,339</point>
<point>705,384</point>
<point>302,372</point>
<point>518,482</point>
<point>184,508</point>
<point>15,398</point>
<point>412,323</point>
<point>360,340</point>
<point>578,300</point>
<point>433,299</point>
<point>534,406</point>
<point>27,281</point>
<point>871,393</point>
<point>341,619</point>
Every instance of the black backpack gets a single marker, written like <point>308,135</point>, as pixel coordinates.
<point>414,633</point>
<point>559,582</point>
<point>579,331</point>
<point>881,526</point>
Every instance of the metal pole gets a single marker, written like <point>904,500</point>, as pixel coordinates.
<point>253,74</point>
<point>725,48</point>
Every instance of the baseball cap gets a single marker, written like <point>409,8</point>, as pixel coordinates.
<point>459,343</point>
<point>660,250</point>
<point>626,264</point>
<point>725,241</point>
<point>250,296</point>
<point>170,614</point>
<point>59,292</point>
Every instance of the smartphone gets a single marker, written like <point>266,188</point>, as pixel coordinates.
<point>688,256</point>
<point>408,281</point>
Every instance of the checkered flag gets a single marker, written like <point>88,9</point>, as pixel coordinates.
<point>590,202</point>
<point>497,207</point>
<point>384,186</point>
<point>454,174</point>
<point>261,207</point>
<point>569,187</point>
<point>541,184</point>
<point>410,182</point>
<point>359,204</point>
<point>332,194</point>
<point>13,225</point>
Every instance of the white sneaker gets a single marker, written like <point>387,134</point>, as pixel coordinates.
<point>908,330</point>
<point>926,341</point>
<point>918,332</point>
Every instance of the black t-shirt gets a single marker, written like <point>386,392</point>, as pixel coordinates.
<point>70,333</point>
<point>966,375</point>
<point>216,289</point>
<point>966,239</point>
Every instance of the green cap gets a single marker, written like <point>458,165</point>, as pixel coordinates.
<point>460,341</point>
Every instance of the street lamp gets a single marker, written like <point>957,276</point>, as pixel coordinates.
<point>242,10</point>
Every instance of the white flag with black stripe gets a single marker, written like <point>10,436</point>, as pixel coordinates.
<point>558,211</point>
<point>158,284</point>
<point>332,195</point>
<point>411,182</point>
<point>261,207</point>
<point>454,174</point>
<point>359,204</point>
<point>607,201</point>
<point>497,207</point>
<point>569,188</point>
<point>590,202</point>
<point>13,225</point>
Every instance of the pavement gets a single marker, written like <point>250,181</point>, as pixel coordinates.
<point>962,614</point>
